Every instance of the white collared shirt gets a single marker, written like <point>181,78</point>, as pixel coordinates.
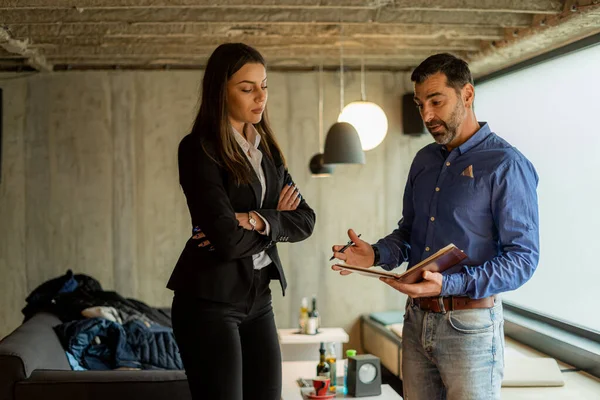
<point>255,156</point>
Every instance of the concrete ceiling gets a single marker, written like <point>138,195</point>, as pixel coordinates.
<point>55,35</point>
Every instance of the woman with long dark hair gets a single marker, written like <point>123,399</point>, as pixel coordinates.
<point>242,201</point>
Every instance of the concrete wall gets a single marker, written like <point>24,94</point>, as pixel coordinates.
<point>89,182</point>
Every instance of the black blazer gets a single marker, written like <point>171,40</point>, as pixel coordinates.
<point>226,273</point>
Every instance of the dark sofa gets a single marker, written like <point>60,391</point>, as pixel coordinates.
<point>33,365</point>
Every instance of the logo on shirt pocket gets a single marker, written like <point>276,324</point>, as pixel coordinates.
<point>468,172</point>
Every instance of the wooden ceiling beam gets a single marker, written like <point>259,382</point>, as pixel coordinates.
<point>515,6</point>
<point>326,43</point>
<point>228,30</point>
<point>254,15</point>
<point>292,62</point>
<point>205,50</point>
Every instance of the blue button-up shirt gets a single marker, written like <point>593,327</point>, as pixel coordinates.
<point>482,197</point>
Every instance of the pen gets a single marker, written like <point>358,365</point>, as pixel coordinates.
<point>343,249</point>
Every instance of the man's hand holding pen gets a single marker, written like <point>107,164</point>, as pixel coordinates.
<point>358,253</point>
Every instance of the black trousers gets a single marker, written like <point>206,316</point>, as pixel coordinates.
<point>230,351</point>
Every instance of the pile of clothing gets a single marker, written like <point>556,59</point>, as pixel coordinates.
<point>102,330</point>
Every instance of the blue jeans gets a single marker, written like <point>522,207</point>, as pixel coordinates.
<point>457,355</point>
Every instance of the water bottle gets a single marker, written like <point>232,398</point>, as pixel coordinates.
<point>349,353</point>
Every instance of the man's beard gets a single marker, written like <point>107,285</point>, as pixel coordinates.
<point>450,128</point>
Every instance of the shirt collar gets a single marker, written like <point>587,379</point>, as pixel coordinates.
<point>252,133</point>
<point>479,136</point>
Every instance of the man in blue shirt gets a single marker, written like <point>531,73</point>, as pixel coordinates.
<point>475,190</point>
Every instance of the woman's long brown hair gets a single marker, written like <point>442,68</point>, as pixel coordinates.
<point>212,122</point>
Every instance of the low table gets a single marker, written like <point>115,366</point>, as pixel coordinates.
<point>298,347</point>
<point>292,370</point>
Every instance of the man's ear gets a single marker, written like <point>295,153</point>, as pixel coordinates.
<point>468,95</point>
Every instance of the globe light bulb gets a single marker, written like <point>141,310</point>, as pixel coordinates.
<point>369,120</point>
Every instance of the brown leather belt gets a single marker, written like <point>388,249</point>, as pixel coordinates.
<point>452,303</point>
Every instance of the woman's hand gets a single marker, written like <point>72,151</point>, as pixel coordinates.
<point>200,236</point>
<point>289,198</point>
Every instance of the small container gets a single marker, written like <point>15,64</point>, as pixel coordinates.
<point>331,360</point>
<point>349,353</point>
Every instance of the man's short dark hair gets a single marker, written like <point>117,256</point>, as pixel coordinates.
<point>456,70</point>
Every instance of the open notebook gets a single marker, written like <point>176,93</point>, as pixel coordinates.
<point>443,259</point>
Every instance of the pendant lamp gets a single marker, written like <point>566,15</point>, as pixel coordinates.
<point>342,145</point>
<point>317,165</point>
<point>367,117</point>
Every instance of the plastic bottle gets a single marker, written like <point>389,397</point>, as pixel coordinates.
<point>331,360</point>
<point>303,320</point>
<point>349,353</point>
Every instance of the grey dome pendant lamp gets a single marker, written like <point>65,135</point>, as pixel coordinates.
<point>342,145</point>
<point>317,165</point>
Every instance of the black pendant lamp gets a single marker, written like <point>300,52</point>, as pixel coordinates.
<point>318,168</point>
<point>342,145</point>
<point>317,165</point>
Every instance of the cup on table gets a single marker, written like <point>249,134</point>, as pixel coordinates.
<point>321,385</point>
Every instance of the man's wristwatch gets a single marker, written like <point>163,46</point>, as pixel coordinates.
<point>252,221</point>
<point>376,251</point>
